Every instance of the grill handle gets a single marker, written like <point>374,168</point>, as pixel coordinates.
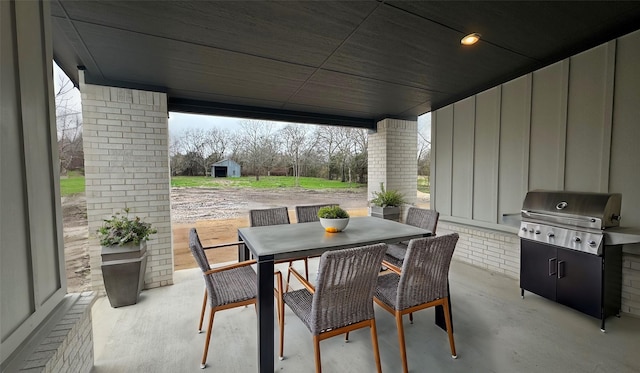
<point>561,269</point>
<point>531,214</point>
<point>552,266</point>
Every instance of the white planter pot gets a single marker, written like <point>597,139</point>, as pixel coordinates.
<point>338,224</point>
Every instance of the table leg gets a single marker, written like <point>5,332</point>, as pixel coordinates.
<point>440,313</point>
<point>265,316</point>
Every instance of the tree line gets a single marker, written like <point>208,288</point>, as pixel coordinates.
<point>262,148</point>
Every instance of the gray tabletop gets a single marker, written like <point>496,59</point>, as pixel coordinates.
<point>290,241</point>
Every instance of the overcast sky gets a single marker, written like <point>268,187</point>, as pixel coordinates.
<point>179,122</point>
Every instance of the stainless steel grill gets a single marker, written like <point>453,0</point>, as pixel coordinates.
<point>572,220</point>
<point>564,252</point>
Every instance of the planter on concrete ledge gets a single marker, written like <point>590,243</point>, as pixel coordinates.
<point>388,212</point>
<point>123,269</point>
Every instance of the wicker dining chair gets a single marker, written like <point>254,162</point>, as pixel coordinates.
<point>309,213</point>
<point>204,298</point>
<point>342,299</point>
<point>231,286</point>
<point>421,283</point>
<point>418,217</point>
<point>274,216</point>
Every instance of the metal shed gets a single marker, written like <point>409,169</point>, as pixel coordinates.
<point>225,168</point>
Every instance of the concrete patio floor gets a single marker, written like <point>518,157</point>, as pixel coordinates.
<point>495,331</point>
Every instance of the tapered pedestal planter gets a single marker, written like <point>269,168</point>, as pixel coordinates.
<point>389,212</point>
<point>123,270</point>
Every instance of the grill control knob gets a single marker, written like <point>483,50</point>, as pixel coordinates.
<point>531,230</point>
<point>551,234</point>
<point>592,243</point>
<point>537,231</point>
<point>576,239</point>
<point>524,229</point>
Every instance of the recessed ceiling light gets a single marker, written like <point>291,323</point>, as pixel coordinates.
<point>470,39</point>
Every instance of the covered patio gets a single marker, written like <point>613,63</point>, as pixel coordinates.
<point>495,331</point>
<point>547,99</point>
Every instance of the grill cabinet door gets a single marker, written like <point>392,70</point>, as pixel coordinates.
<point>579,284</point>
<point>538,268</point>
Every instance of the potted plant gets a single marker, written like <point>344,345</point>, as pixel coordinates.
<point>124,257</point>
<point>333,218</point>
<point>386,204</point>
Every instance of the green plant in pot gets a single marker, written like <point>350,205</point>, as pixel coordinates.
<point>333,218</point>
<point>386,203</point>
<point>124,257</point>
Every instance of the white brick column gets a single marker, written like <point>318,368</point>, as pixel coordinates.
<point>125,135</point>
<point>393,152</point>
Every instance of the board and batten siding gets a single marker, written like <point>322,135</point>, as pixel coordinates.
<point>572,126</point>
<point>32,274</point>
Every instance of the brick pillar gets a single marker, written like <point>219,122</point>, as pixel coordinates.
<point>125,135</point>
<point>393,152</point>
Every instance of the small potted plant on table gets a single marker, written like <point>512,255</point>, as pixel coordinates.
<point>386,204</point>
<point>124,257</point>
<point>333,218</point>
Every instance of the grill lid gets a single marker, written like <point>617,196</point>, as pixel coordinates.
<point>581,209</point>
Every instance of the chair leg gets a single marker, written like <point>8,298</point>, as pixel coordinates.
<point>316,349</point>
<point>447,320</point>
<point>411,318</point>
<point>403,349</point>
<point>346,337</point>
<point>204,308</point>
<point>281,322</point>
<point>203,364</point>
<point>374,342</point>
<point>306,272</point>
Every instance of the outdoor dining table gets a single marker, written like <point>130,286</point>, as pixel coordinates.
<point>273,243</point>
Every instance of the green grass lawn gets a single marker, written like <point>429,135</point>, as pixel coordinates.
<point>423,184</point>
<point>266,182</point>
<point>72,184</point>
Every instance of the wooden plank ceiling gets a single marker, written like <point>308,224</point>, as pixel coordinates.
<point>336,62</point>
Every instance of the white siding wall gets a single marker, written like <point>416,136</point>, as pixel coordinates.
<point>572,125</point>
<point>32,280</point>
<point>125,135</point>
<point>32,275</point>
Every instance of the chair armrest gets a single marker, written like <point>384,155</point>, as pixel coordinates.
<point>302,280</point>
<point>223,245</point>
<point>230,266</point>
<point>392,267</point>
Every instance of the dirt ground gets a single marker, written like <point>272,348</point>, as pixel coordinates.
<point>215,213</point>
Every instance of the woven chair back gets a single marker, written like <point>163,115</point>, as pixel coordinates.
<point>423,218</point>
<point>425,270</point>
<point>345,287</point>
<point>309,213</point>
<point>272,216</point>
<point>198,251</point>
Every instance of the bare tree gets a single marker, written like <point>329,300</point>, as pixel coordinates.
<point>69,126</point>
<point>329,140</point>
<point>260,148</point>
<point>192,142</point>
<point>351,142</point>
<point>298,144</point>
<point>424,146</point>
